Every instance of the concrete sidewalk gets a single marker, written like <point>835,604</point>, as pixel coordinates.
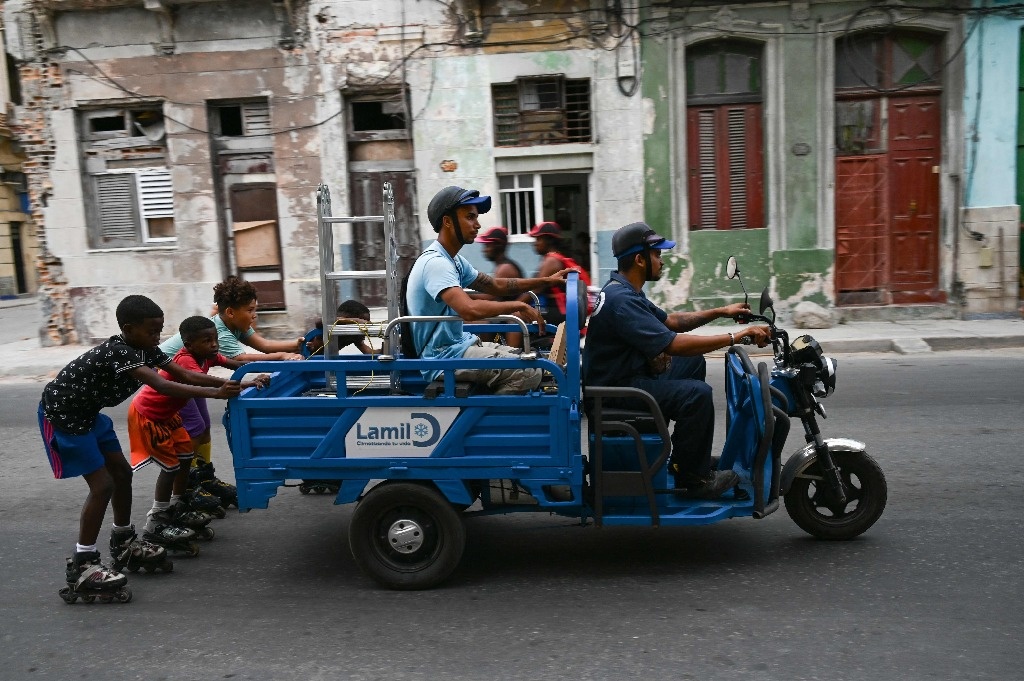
<point>25,358</point>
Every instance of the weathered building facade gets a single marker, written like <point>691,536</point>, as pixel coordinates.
<point>829,145</point>
<point>18,245</point>
<point>824,142</point>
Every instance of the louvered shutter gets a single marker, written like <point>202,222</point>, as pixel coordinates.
<point>117,212</point>
<point>256,118</point>
<point>155,193</point>
<point>725,159</point>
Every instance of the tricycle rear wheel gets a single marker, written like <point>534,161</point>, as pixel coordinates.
<point>812,505</point>
<point>406,536</point>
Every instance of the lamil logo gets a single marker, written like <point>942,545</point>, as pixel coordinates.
<point>386,432</point>
<point>422,430</point>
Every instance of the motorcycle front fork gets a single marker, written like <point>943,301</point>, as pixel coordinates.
<point>831,474</point>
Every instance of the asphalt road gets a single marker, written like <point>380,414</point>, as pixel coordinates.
<point>932,591</point>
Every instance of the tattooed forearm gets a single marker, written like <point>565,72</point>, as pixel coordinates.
<point>484,283</point>
<point>512,287</point>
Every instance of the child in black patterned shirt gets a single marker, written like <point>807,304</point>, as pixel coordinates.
<point>80,441</point>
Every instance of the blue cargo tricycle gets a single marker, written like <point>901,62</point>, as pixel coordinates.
<point>418,458</point>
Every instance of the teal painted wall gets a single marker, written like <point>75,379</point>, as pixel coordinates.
<point>990,110</point>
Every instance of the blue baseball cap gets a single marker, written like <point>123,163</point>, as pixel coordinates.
<point>636,237</point>
<point>450,198</point>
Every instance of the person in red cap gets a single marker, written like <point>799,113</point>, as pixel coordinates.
<point>495,245</point>
<point>435,287</point>
<point>548,245</point>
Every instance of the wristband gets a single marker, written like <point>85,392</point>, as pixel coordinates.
<point>732,339</point>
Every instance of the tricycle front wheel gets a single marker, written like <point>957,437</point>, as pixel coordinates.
<point>813,506</point>
<point>406,536</point>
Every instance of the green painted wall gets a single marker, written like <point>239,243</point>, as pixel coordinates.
<point>711,249</point>
<point>803,271</point>
<point>801,68</point>
<point>657,144</point>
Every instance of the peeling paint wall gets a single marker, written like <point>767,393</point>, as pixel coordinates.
<point>796,249</point>
<point>116,58</point>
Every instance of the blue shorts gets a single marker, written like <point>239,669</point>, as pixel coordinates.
<point>75,455</point>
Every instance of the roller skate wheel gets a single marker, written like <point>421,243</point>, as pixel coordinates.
<point>67,595</point>
<point>89,599</point>
<point>192,550</point>
<point>207,533</point>
<point>123,595</point>
<point>304,489</point>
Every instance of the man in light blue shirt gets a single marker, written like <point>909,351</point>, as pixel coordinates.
<point>435,288</point>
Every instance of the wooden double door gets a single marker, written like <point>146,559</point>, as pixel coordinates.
<point>887,211</point>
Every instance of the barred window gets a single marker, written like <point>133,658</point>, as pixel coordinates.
<point>541,110</point>
<point>519,198</point>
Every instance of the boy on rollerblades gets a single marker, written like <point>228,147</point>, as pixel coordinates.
<point>157,434</point>
<point>80,441</point>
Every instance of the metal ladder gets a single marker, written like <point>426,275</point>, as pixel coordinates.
<point>329,276</point>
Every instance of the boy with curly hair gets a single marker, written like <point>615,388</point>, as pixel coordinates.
<point>236,304</point>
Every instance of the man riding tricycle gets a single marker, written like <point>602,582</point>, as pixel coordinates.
<point>419,454</point>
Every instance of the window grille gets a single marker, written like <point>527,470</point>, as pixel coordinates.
<point>546,110</point>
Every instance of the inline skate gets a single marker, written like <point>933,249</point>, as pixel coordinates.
<point>89,579</point>
<point>198,521</point>
<point>198,499</point>
<point>319,486</point>
<point>203,475</point>
<point>160,529</point>
<point>128,552</point>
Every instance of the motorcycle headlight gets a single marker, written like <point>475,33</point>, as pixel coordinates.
<point>826,383</point>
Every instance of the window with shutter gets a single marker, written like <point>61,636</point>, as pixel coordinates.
<point>256,118</point>
<point>725,153</point>
<point>133,207</point>
<point>156,200</point>
<point>116,210</point>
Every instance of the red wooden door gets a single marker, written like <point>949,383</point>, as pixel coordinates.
<point>914,132</point>
<point>887,211</point>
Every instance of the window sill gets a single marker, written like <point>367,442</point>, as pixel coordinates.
<point>545,150</point>
<point>154,247</point>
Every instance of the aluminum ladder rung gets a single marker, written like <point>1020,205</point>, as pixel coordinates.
<point>353,218</point>
<point>356,274</point>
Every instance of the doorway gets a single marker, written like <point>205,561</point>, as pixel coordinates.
<point>257,245</point>
<point>888,154</point>
<point>529,198</point>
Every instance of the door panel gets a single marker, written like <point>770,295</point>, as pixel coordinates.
<point>368,237</point>
<point>861,248</point>
<point>914,198</point>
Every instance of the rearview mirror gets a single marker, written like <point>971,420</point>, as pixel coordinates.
<point>732,268</point>
<point>766,301</point>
